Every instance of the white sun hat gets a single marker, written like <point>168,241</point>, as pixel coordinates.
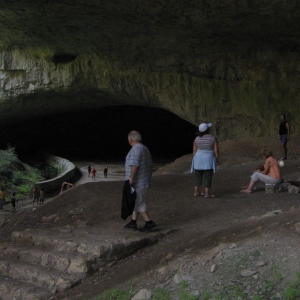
<point>204,126</point>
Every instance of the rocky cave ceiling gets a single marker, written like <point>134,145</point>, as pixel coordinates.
<point>235,63</point>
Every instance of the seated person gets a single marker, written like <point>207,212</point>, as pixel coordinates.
<point>269,173</point>
<point>66,185</point>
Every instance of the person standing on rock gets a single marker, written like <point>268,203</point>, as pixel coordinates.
<point>138,171</point>
<point>205,159</point>
<point>93,172</point>
<point>284,134</point>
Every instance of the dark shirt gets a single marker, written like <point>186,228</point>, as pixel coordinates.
<point>282,128</point>
<point>13,201</point>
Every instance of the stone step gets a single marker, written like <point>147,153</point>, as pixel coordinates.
<point>17,290</point>
<point>43,240</point>
<point>91,242</point>
<point>47,278</point>
<point>57,259</point>
<point>59,242</point>
<point>64,262</point>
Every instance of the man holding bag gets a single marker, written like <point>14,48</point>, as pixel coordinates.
<point>138,171</point>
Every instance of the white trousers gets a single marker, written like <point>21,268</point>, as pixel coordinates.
<point>256,176</point>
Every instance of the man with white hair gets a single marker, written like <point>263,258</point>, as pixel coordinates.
<point>138,170</point>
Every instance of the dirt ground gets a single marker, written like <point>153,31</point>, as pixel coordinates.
<point>233,232</point>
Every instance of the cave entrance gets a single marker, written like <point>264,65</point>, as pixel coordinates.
<point>102,133</point>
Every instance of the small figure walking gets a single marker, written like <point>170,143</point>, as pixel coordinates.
<point>284,135</point>
<point>13,201</point>
<point>36,194</point>
<point>105,172</point>
<point>89,170</point>
<point>42,196</point>
<point>93,172</point>
<point>2,198</point>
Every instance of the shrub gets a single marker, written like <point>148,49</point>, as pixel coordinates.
<point>16,177</point>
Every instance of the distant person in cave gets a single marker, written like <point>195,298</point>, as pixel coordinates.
<point>13,202</point>
<point>284,135</point>
<point>2,198</point>
<point>42,197</point>
<point>93,172</point>
<point>66,185</point>
<point>89,170</point>
<point>105,172</point>
<point>205,159</point>
<point>36,195</point>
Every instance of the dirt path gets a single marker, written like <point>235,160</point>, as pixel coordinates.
<point>202,224</point>
<point>115,171</point>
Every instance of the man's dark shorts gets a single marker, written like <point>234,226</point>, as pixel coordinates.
<point>283,138</point>
<point>203,177</point>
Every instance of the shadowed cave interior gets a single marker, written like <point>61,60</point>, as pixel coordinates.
<point>101,134</point>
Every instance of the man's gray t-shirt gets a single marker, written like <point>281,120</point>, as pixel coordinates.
<point>139,156</point>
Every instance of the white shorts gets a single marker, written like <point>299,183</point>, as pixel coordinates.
<point>140,201</point>
<point>256,176</point>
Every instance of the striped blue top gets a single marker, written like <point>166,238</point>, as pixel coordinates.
<point>139,156</point>
<point>204,158</point>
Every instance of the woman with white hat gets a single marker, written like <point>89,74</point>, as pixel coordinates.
<point>205,159</point>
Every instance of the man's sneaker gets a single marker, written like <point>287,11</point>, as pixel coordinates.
<point>131,225</point>
<point>148,227</point>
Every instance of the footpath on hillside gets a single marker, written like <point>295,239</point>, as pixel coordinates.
<point>233,240</point>
<point>115,173</point>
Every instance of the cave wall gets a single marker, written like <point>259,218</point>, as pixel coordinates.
<point>235,64</point>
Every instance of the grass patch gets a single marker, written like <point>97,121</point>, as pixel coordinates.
<point>269,290</point>
<point>116,294</point>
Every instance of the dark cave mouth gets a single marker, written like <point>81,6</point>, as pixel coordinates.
<point>102,133</point>
<point>63,58</point>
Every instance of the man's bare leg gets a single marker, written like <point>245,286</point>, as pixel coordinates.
<point>284,150</point>
<point>144,214</point>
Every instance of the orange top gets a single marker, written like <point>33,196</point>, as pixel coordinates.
<point>274,170</point>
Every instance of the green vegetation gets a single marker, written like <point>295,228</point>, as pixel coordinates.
<point>161,294</point>
<point>268,290</point>
<point>183,293</point>
<point>116,294</point>
<point>234,292</point>
<point>15,176</point>
<point>158,294</point>
<point>47,171</point>
<point>292,292</point>
<point>206,295</point>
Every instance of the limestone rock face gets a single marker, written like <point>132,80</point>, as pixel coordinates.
<point>235,63</point>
